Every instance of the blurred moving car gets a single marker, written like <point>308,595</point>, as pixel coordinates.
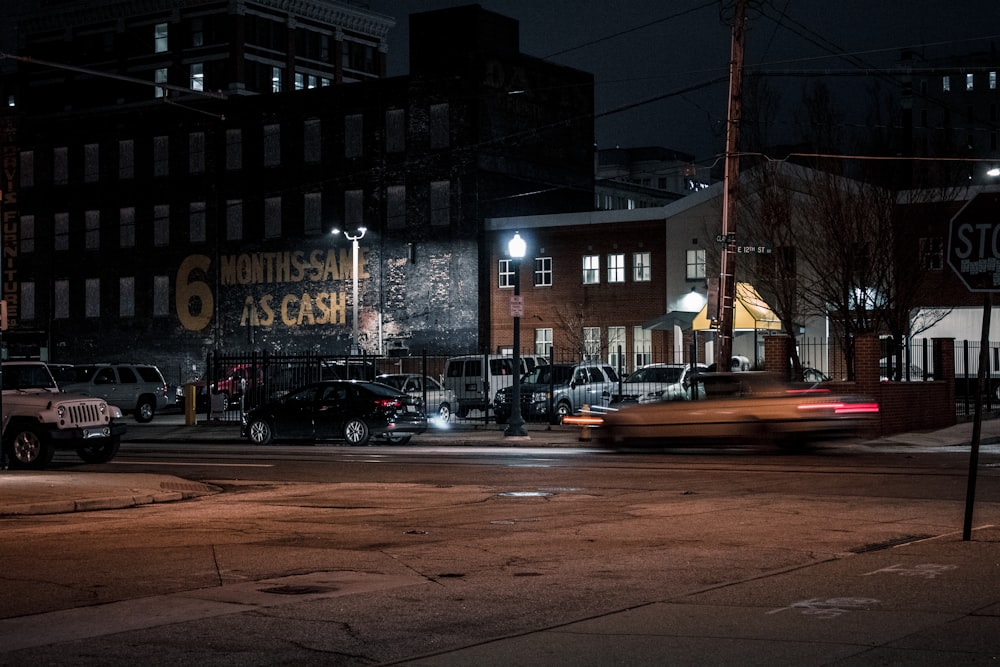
<point>738,408</point>
<point>657,382</point>
<point>440,401</point>
<point>348,410</point>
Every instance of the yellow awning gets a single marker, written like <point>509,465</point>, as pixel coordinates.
<point>750,312</point>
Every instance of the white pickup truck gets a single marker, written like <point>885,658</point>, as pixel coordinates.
<point>38,419</point>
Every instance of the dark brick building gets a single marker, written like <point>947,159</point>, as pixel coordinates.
<point>162,229</point>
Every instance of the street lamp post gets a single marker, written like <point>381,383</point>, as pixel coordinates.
<point>515,427</point>
<point>355,347</point>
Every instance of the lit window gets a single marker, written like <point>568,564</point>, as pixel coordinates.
<point>543,342</point>
<point>505,271</point>
<point>591,269</point>
<point>592,343</point>
<point>197,76</point>
<point>160,38</point>
<point>993,80</point>
<point>160,76</point>
<point>969,81</point>
<point>695,264</point>
<point>275,79</point>
<point>946,83</point>
<point>543,272</point>
<point>300,81</point>
<point>616,346</point>
<point>641,270</point>
<point>642,347</point>
<point>616,268</point>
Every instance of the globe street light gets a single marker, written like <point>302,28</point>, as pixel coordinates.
<point>515,427</point>
<point>355,347</point>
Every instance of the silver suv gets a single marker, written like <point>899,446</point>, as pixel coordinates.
<point>572,386</point>
<point>136,388</point>
<point>658,382</point>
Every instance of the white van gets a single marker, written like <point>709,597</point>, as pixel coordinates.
<point>475,378</point>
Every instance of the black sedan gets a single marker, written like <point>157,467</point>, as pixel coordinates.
<point>337,410</point>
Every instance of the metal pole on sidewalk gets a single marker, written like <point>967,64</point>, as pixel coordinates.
<point>977,423</point>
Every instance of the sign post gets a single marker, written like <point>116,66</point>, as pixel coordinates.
<point>974,255</point>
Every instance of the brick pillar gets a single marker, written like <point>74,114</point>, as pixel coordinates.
<point>866,355</point>
<point>777,352</point>
<point>943,353</point>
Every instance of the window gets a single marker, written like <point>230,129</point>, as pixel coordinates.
<point>642,347</point>
<point>440,126</point>
<point>197,32</point>
<point>161,225</point>
<point>272,217</point>
<point>275,79</point>
<point>932,253</point>
<point>616,346</point>
<point>91,163</point>
<point>60,165</point>
<point>126,297</point>
<point>92,227</point>
<point>395,131</point>
<point>126,159</point>
<point>505,270</point>
<point>353,137</point>
<point>440,203</point>
<point>695,264</point>
<point>641,270</point>
<point>272,145</point>
<point>196,152</point>
<point>27,233</point>
<point>27,169</point>
<point>234,220</point>
<point>591,343</point>
<point>159,76</point>
<point>197,76</point>
<point>993,80</point>
<point>234,150</point>
<point>312,213</point>
<point>300,81</point>
<point>92,297</point>
<point>126,227</point>
<point>946,83</point>
<point>543,272</point>
<point>61,231</point>
<point>27,304</point>
<point>61,310</point>
<point>161,296</point>
<point>969,81</point>
<point>160,41</point>
<point>616,268</point>
<point>591,269</point>
<point>161,156</point>
<point>311,141</point>
<point>196,222</point>
<point>395,206</point>
<point>354,214</point>
<point>543,342</point>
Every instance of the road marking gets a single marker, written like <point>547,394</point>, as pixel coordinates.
<point>828,608</point>
<point>925,570</point>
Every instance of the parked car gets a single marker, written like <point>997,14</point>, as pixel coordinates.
<point>439,402</point>
<point>890,369</point>
<point>572,386</point>
<point>741,407</point>
<point>233,385</point>
<point>814,375</point>
<point>657,382</point>
<point>134,388</point>
<point>348,410</point>
<point>476,378</point>
<point>38,419</point>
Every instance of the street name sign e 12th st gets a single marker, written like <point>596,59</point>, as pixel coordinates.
<point>974,243</point>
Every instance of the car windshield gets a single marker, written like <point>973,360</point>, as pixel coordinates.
<point>394,381</point>
<point>666,375</point>
<point>27,377</point>
<point>549,375</point>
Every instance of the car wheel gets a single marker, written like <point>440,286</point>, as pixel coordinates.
<point>444,412</point>
<point>145,410</point>
<point>101,453</point>
<point>398,439</point>
<point>563,409</point>
<point>29,449</point>
<point>224,401</point>
<point>356,432</point>
<point>260,432</point>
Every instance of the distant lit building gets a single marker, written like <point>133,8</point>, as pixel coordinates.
<point>643,177</point>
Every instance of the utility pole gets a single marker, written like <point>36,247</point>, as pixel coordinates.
<point>727,279</point>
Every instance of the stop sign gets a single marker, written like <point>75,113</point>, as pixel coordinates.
<point>974,243</point>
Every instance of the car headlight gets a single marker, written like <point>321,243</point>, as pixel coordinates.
<point>61,411</point>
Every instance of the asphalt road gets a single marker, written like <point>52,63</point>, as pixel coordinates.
<point>334,555</point>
